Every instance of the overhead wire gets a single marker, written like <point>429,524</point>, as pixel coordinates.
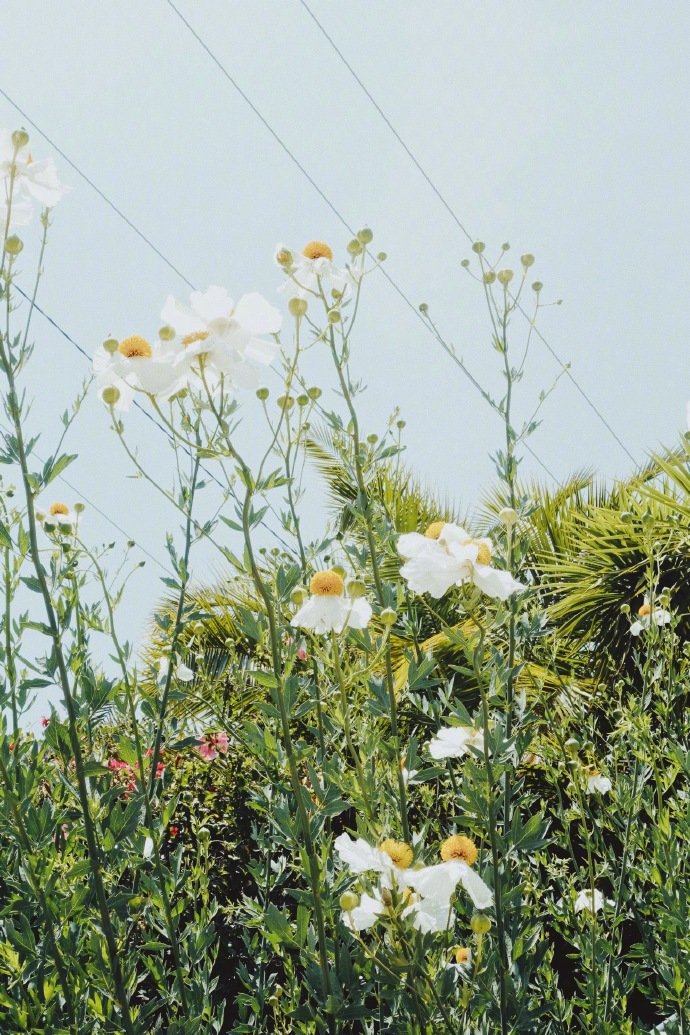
<point>461,226</point>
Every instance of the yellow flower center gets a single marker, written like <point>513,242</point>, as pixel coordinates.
<point>317,250</point>
<point>461,954</point>
<point>58,508</point>
<point>434,530</point>
<point>460,848</point>
<point>327,584</point>
<point>399,852</point>
<point>189,339</point>
<point>645,610</point>
<point>135,347</point>
<point>483,552</point>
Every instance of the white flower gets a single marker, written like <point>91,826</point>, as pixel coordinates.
<point>648,616</point>
<point>447,555</point>
<point>585,901</point>
<point>182,672</point>
<point>328,609</point>
<point>133,366</point>
<point>364,915</point>
<point>596,783</point>
<point>33,181</point>
<point>440,881</point>
<point>456,741</point>
<point>58,516</point>
<point>230,337</point>
<point>313,269</point>
<point>148,848</point>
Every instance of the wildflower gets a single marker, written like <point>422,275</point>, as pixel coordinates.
<point>302,654</point>
<point>229,337</point>
<point>462,956</point>
<point>45,722</point>
<point>213,744</point>
<point>456,741</point>
<point>446,555</point>
<point>328,609</point>
<point>459,847</point>
<point>182,672</point>
<point>173,830</point>
<point>148,848</point>
<point>596,783</point>
<point>58,516</point>
<point>647,616</point>
<point>593,904</point>
<point>313,270</point>
<point>33,181</point>
<point>134,365</point>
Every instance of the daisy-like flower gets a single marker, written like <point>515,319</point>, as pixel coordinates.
<point>33,181</point>
<point>312,269</point>
<point>455,741</point>
<point>134,365</point>
<point>329,609</point>
<point>447,555</point>
<point>230,338</point>
<point>647,616</point>
<point>593,904</point>
<point>596,783</point>
<point>425,892</point>
<point>213,744</point>
<point>58,517</point>
<point>182,672</point>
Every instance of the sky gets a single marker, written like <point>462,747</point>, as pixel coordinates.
<point>561,129</point>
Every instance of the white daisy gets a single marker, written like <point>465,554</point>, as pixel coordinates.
<point>455,741</point>
<point>593,904</point>
<point>447,555</point>
<point>596,783</point>
<point>312,269</point>
<point>648,616</point>
<point>329,609</point>
<point>230,337</point>
<point>33,181</point>
<point>58,517</point>
<point>133,366</point>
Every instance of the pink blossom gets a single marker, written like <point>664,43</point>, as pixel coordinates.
<point>302,654</point>
<point>213,744</point>
<point>45,721</point>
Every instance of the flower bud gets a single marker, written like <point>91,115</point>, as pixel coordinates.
<point>339,570</point>
<point>400,424</point>
<point>527,260</point>
<point>508,516</point>
<point>20,138</point>
<point>478,247</point>
<point>13,245</point>
<point>349,901</point>
<point>505,277</point>
<point>423,307</point>
<point>203,836</point>
<point>79,508</point>
<point>302,400</point>
<point>166,333</point>
<point>286,402</point>
<point>372,439</point>
<point>314,393</point>
<point>111,345</point>
<point>110,395</point>
<point>537,286</point>
<point>355,247</point>
<point>40,515</point>
<point>489,277</point>
<point>465,263</point>
<point>284,257</point>
<point>388,616</point>
<point>334,316</point>
<point>366,236</point>
<point>381,256</point>
<point>480,923</point>
<point>262,393</point>
<point>355,588</point>
<point>298,596</point>
<point>298,307</point>
<point>505,246</point>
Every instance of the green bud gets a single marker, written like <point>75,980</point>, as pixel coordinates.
<point>508,516</point>
<point>527,260</point>
<point>465,263</point>
<point>49,525</point>
<point>381,256</point>
<point>298,596</point>
<point>537,286</point>
<point>505,246</point>
<point>302,400</point>
<point>110,395</point>
<point>478,247</point>
<point>298,307</point>
<point>286,402</point>
<point>400,424</point>
<point>111,345</point>
<point>262,393</point>
<point>334,316</point>
<point>339,570</point>
<point>423,307</point>
<point>203,836</point>
<point>388,616</point>
<point>489,277</point>
<point>480,923</point>
<point>505,276</point>
<point>372,439</point>
<point>349,901</point>
<point>355,588</point>
<point>20,138</point>
<point>355,247</point>
<point>314,392</point>
<point>166,333</point>
<point>79,508</point>
<point>13,245</point>
<point>366,235</point>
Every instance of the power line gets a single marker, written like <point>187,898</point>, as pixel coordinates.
<point>101,194</point>
<point>396,287</point>
<point>458,222</point>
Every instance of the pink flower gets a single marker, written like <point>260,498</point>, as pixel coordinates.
<point>302,654</point>
<point>45,721</point>
<point>212,744</point>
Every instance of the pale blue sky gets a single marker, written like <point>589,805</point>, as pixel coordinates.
<point>561,128</point>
